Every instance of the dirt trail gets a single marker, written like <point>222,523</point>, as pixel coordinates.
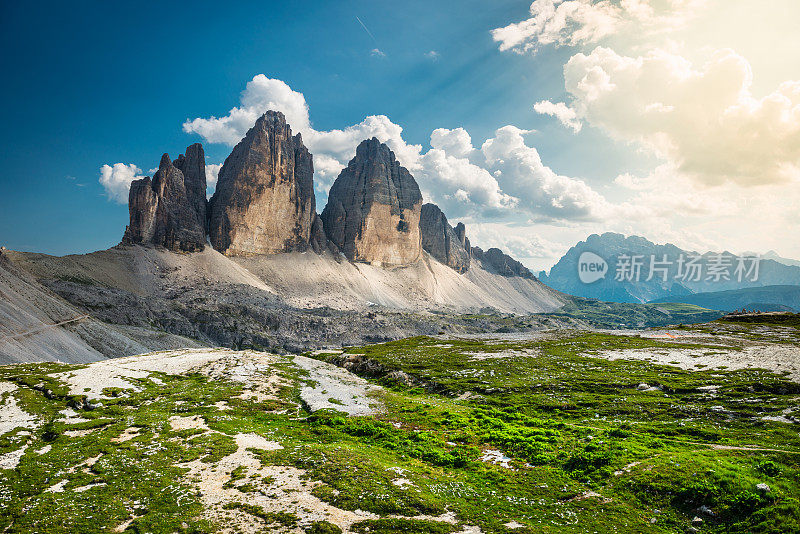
<point>44,327</point>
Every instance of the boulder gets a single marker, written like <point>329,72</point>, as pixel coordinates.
<point>373,210</point>
<point>164,211</point>
<point>441,240</point>
<point>264,202</point>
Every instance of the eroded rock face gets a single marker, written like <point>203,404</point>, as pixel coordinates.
<point>461,233</point>
<point>264,202</point>
<point>373,209</point>
<point>441,240</point>
<point>501,263</point>
<point>166,211</point>
<point>193,167</point>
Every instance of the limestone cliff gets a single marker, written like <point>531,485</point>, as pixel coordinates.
<point>442,241</point>
<point>264,202</point>
<point>373,209</point>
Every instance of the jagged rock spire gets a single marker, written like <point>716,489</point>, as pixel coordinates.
<point>264,202</point>
<point>165,211</point>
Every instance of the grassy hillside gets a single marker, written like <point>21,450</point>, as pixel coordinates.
<point>767,298</point>
<point>622,315</point>
<point>544,435</point>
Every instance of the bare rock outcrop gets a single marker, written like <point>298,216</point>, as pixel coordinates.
<point>373,209</point>
<point>193,167</point>
<point>264,202</point>
<point>461,233</point>
<point>501,263</point>
<point>167,209</point>
<point>441,240</point>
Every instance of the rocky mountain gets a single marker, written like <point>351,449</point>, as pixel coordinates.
<point>638,270</point>
<point>193,167</point>
<point>36,324</point>
<point>170,209</point>
<point>373,210</point>
<point>442,241</point>
<point>772,255</point>
<point>765,299</point>
<point>264,202</point>
<point>258,285</point>
<point>293,301</point>
<point>501,263</point>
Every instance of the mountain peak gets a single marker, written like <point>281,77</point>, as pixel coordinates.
<point>264,202</point>
<point>165,211</point>
<point>373,210</point>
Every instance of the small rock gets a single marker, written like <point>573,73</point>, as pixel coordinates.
<point>706,510</point>
<point>763,488</point>
<point>643,386</point>
<point>697,521</point>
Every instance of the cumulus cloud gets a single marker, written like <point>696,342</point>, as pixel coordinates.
<point>456,142</point>
<point>565,114</point>
<point>332,149</point>
<point>502,178</point>
<point>461,187</point>
<point>212,173</point>
<point>705,120</point>
<point>545,194</point>
<point>116,180</point>
<point>260,94</point>
<point>585,22</point>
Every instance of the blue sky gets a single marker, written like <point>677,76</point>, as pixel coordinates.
<point>99,84</point>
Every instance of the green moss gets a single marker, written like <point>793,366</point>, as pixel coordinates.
<point>586,449</point>
<point>271,518</point>
<point>323,527</point>
<point>380,526</point>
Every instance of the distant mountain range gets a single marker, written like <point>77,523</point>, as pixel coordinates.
<point>765,299</point>
<point>616,268</point>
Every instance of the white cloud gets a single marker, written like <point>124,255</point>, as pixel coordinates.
<point>212,174</point>
<point>456,142</point>
<point>522,242</point>
<point>261,94</point>
<point>565,114</point>
<point>332,149</point>
<point>504,178</point>
<point>544,194</point>
<point>460,187</point>
<point>704,121</point>
<point>585,22</point>
<point>116,180</point>
<point>433,55</point>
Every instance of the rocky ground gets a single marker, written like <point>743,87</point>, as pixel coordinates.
<point>555,431</point>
